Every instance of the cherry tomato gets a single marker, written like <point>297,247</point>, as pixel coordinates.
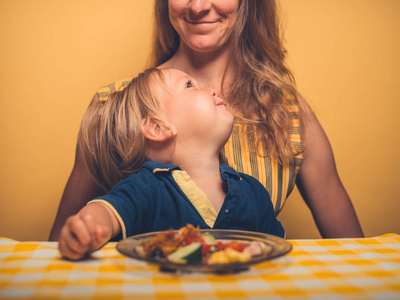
<point>193,239</point>
<point>220,246</point>
<point>205,248</point>
<point>188,240</point>
<point>238,246</point>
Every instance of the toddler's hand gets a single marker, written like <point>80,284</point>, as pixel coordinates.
<point>80,236</point>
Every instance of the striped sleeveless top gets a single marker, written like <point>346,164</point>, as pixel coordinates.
<point>278,180</point>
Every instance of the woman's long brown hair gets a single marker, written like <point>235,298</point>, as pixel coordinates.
<point>263,89</point>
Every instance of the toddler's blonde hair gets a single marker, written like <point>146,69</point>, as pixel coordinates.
<point>111,137</point>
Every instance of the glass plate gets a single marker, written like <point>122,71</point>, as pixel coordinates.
<point>279,247</point>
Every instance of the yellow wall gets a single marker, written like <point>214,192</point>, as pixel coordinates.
<point>55,54</point>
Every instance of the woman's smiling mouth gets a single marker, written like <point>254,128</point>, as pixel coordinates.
<point>200,22</point>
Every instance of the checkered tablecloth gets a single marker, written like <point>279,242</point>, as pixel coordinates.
<point>315,269</point>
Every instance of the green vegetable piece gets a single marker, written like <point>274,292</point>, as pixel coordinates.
<point>208,238</point>
<point>190,254</point>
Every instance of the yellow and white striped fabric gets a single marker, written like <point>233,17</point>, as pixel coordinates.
<point>278,180</point>
<point>315,269</point>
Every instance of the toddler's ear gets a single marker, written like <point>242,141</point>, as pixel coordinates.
<point>157,130</point>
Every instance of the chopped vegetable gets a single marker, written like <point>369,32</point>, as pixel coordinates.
<point>208,238</point>
<point>227,256</point>
<point>187,245</point>
<point>190,254</point>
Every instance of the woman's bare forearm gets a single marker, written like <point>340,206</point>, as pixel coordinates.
<point>331,208</point>
<point>79,190</point>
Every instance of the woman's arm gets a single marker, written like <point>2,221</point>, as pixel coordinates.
<point>321,188</point>
<point>79,190</point>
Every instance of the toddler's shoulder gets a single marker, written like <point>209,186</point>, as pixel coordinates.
<point>143,176</point>
<point>242,178</point>
<point>248,179</point>
<point>142,184</point>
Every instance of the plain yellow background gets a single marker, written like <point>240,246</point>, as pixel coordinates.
<point>54,55</point>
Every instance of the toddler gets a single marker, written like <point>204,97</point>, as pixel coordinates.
<point>155,147</point>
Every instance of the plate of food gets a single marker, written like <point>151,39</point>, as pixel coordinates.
<point>204,250</point>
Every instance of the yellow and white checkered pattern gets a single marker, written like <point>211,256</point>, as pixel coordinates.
<point>315,269</point>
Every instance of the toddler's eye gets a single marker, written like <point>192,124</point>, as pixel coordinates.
<point>189,84</point>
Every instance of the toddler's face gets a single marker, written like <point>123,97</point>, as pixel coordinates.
<point>195,113</point>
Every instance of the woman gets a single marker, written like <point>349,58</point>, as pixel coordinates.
<point>235,47</point>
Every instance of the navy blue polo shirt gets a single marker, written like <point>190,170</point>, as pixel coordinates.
<point>152,200</point>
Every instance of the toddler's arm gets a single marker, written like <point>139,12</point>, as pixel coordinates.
<point>87,231</point>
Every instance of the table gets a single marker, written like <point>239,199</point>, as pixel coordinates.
<point>315,269</point>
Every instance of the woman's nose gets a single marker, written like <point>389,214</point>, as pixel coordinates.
<point>199,7</point>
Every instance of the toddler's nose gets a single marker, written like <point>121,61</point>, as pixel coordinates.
<point>213,93</point>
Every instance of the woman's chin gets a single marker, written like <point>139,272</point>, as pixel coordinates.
<point>205,45</point>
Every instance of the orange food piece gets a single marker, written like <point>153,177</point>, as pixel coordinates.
<point>168,241</point>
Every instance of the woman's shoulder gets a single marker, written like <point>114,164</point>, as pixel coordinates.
<point>104,92</point>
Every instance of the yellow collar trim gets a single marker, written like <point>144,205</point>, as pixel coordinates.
<point>196,196</point>
<point>160,170</point>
